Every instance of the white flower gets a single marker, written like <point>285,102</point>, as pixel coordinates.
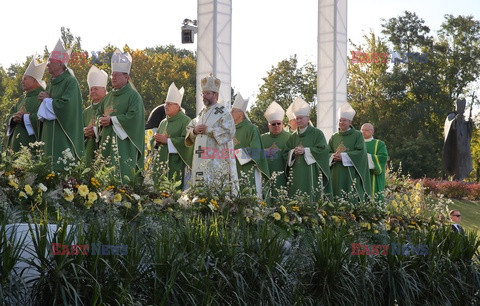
<point>42,187</point>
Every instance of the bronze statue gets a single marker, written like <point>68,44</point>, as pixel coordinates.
<point>457,158</point>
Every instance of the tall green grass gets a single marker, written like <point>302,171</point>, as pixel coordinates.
<point>218,260</point>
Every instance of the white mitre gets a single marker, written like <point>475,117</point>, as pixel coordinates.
<point>241,104</point>
<point>274,112</point>
<point>210,83</point>
<point>121,61</point>
<point>174,95</point>
<point>289,113</point>
<point>346,111</point>
<point>60,53</point>
<point>97,78</point>
<point>36,71</point>
<point>300,107</point>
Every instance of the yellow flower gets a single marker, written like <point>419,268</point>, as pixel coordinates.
<point>50,176</point>
<point>122,190</point>
<point>418,186</point>
<point>127,205</point>
<point>13,184</point>
<point>95,183</point>
<point>165,194</point>
<point>202,200</point>
<point>277,216</point>
<point>158,201</point>
<point>405,198</point>
<point>150,133</point>
<point>286,219</point>
<point>363,224</point>
<point>92,196</point>
<point>387,226</point>
<point>22,194</point>
<point>117,197</point>
<point>296,208</point>
<point>324,213</point>
<point>83,190</point>
<point>284,210</point>
<point>140,207</point>
<point>394,204</point>
<point>68,195</point>
<point>247,219</point>
<point>417,199</point>
<point>214,203</point>
<point>262,203</point>
<point>375,232</point>
<point>89,204</point>
<point>28,190</point>
<point>109,188</point>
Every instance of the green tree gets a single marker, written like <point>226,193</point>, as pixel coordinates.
<point>407,101</point>
<point>283,84</point>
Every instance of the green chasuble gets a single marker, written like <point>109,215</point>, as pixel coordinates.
<point>351,142</point>
<point>308,170</point>
<point>176,129</point>
<point>127,131</point>
<point>65,132</point>
<point>274,146</point>
<point>247,137</point>
<point>17,133</point>
<point>379,154</point>
<point>89,115</point>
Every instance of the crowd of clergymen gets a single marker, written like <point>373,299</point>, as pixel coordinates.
<point>218,148</point>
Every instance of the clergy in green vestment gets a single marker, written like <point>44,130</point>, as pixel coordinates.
<point>377,158</point>
<point>122,121</point>
<point>170,138</point>
<point>306,154</point>
<point>274,143</point>
<point>22,127</point>
<point>97,83</point>
<point>61,112</point>
<point>251,160</point>
<point>348,159</point>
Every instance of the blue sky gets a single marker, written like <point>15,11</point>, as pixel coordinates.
<point>264,31</point>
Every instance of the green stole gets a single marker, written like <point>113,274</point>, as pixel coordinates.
<point>379,153</point>
<point>91,145</point>
<point>248,137</point>
<point>28,103</point>
<point>306,177</point>
<point>276,162</point>
<point>65,132</point>
<point>127,106</point>
<point>176,129</point>
<point>343,177</point>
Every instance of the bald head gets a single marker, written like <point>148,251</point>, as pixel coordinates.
<point>367,130</point>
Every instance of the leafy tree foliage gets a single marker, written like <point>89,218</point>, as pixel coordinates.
<point>408,101</point>
<point>283,84</point>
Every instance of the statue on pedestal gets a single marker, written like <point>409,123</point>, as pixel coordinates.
<point>457,158</point>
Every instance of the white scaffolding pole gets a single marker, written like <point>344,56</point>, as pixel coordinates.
<point>332,63</point>
<point>214,47</point>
